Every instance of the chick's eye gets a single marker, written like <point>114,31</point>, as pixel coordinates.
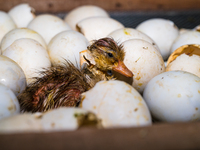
<point>110,54</point>
<point>109,72</point>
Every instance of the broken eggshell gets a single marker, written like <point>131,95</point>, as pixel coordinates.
<point>67,45</point>
<point>19,33</point>
<point>98,27</point>
<point>185,58</point>
<point>12,75</point>
<point>9,104</point>
<point>162,31</point>
<point>82,12</point>
<point>22,14</point>
<point>48,26</point>
<point>174,96</point>
<point>30,55</point>
<point>116,104</point>
<point>144,60</point>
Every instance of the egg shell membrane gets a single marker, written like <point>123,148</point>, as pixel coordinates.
<point>189,50</point>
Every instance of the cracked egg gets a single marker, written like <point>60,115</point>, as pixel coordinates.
<point>185,58</point>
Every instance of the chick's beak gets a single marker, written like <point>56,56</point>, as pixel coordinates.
<point>121,68</point>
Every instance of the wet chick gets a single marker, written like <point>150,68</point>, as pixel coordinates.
<point>62,85</point>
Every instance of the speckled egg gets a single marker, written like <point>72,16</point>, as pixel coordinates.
<point>174,96</point>
<point>144,60</point>
<point>12,75</point>
<point>117,104</point>
<point>9,104</point>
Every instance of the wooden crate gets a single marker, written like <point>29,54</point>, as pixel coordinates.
<point>158,136</point>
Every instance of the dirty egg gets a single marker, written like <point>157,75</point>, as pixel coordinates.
<point>22,14</point>
<point>48,26</point>
<point>98,27</point>
<point>117,104</point>
<point>162,31</point>
<point>144,60</point>
<point>9,104</point>
<point>174,96</point>
<point>185,58</point>
<point>79,13</point>
<point>30,55</point>
<point>19,33</point>
<point>67,45</point>
<point>12,75</point>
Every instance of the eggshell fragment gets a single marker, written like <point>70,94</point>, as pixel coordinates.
<point>82,12</point>
<point>185,58</point>
<point>11,75</point>
<point>6,24</point>
<point>48,26</point>
<point>9,104</point>
<point>19,33</point>
<point>162,31</point>
<point>189,37</point>
<point>67,45</point>
<point>22,14</point>
<point>124,34</point>
<point>30,55</point>
<point>174,96</point>
<point>21,123</point>
<point>98,27</point>
<point>144,60</point>
<point>117,104</point>
<point>63,119</point>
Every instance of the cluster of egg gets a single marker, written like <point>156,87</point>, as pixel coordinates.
<point>163,59</point>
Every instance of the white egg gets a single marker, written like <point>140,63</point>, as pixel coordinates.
<point>11,75</point>
<point>94,28</point>
<point>9,104</point>
<point>66,118</point>
<point>6,24</point>
<point>22,14</point>
<point>174,96</point>
<point>30,55</point>
<point>144,60</point>
<point>124,34</point>
<point>162,31</point>
<point>189,37</point>
<point>185,58</point>
<point>48,26</point>
<point>21,123</point>
<point>19,33</point>
<point>79,13</point>
<point>117,104</point>
<point>67,45</point>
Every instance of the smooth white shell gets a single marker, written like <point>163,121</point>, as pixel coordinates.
<point>124,34</point>
<point>9,104</point>
<point>61,119</point>
<point>21,123</point>
<point>19,33</point>
<point>48,26</point>
<point>22,14</point>
<point>12,75</point>
<point>67,45</point>
<point>144,60</point>
<point>6,24</point>
<point>162,31</point>
<point>82,12</point>
<point>94,28</point>
<point>174,96</point>
<point>30,55</point>
<point>117,104</point>
<point>186,63</point>
<point>189,37</point>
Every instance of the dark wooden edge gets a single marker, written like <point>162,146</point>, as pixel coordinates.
<point>56,6</point>
<point>158,136</point>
